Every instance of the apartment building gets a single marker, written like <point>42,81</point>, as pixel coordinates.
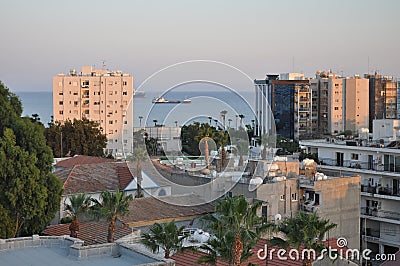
<point>290,103</point>
<point>356,114</point>
<point>382,97</point>
<point>379,167</point>
<point>99,95</point>
<point>327,103</point>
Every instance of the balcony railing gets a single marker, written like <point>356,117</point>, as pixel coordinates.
<point>388,191</point>
<point>374,212</point>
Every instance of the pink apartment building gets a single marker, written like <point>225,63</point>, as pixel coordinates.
<point>100,95</point>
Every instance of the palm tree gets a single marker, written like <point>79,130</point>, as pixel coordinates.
<point>140,121</point>
<point>205,136</point>
<point>236,228</point>
<point>223,138</point>
<point>242,149</point>
<point>223,115</point>
<point>111,207</point>
<point>241,116</point>
<point>304,230</point>
<point>139,155</point>
<point>166,236</point>
<point>79,204</point>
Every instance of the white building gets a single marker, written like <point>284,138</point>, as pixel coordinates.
<point>379,168</point>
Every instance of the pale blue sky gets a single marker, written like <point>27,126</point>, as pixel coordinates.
<point>42,38</point>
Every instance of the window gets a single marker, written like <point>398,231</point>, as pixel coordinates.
<point>282,197</point>
<point>85,84</point>
<point>76,103</point>
<point>115,92</point>
<point>336,108</point>
<point>75,93</point>
<point>60,102</point>
<point>110,131</point>
<point>110,122</point>
<point>354,156</point>
<point>60,93</point>
<point>125,122</point>
<point>110,93</point>
<point>61,112</point>
<point>294,196</point>
<point>125,83</point>
<point>125,141</point>
<point>125,93</point>
<point>116,140</point>
<point>86,112</point>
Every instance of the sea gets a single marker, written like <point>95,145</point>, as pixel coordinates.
<point>205,106</point>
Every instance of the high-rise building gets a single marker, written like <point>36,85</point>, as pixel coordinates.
<point>101,96</point>
<point>327,103</point>
<point>382,97</point>
<point>356,103</point>
<point>290,102</point>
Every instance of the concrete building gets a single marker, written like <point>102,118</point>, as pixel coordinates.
<point>101,96</point>
<point>290,103</point>
<point>327,103</point>
<point>291,76</point>
<point>168,138</point>
<point>356,103</point>
<point>382,97</point>
<point>379,168</point>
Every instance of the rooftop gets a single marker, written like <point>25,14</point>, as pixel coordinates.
<point>81,159</point>
<point>95,177</point>
<point>89,232</point>
<point>159,210</point>
<point>65,251</point>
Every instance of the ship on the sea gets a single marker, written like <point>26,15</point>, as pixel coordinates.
<point>139,94</point>
<point>163,100</point>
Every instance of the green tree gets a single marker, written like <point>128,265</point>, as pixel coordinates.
<point>166,236</point>
<point>44,189</point>
<point>83,137</point>
<point>111,207</point>
<point>22,197</point>
<point>79,204</point>
<point>139,155</point>
<point>10,107</point>
<point>236,228</point>
<point>305,230</point>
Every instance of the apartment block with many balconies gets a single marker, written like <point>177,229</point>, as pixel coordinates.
<point>99,95</point>
<point>378,164</point>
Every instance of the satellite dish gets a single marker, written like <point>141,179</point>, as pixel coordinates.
<point>277,217</point>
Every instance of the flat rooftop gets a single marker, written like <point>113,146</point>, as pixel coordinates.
<point>64,251</point>
<point>39,256</point>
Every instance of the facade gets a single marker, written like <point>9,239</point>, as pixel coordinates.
<point>356,103</point>
<point>379,168</point>
<point>290,102</point>
<point>98,95</point>
<point>327,103</point>
<point>382,97</point>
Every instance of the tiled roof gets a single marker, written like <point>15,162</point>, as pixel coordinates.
<point>96,177</point>
<point>90,232</point>
<point>82,159</point>
<point>146,211</point>
<point>190,258</point>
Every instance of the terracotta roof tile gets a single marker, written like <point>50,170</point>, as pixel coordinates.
<point>157,210</point>
<point>82,159</point>
<point>90,232</point>
<point>96,177</point>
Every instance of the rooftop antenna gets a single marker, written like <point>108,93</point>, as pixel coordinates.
<point>368,65</point>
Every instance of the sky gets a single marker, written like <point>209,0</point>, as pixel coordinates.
<point>40,39</point>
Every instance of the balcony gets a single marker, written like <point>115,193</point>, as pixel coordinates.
<point>380,192</point>
<point>381,215</point>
